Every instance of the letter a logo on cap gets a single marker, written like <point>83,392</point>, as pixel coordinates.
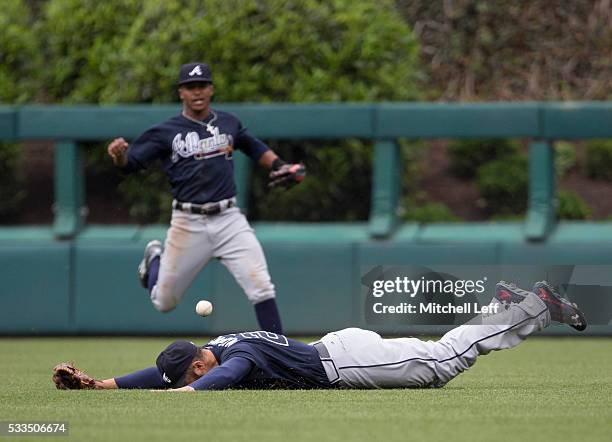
<point>196,71</point>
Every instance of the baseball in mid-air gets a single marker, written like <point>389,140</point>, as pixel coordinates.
<point>204,308</point>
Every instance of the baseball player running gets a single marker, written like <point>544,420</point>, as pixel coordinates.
<point>195,149</point>
<point>350,358</point>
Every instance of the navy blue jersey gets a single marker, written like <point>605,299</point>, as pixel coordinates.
<point>276,361</point>
<point>196,155</point>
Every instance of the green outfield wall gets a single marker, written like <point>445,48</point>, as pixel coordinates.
<point>75,278</point>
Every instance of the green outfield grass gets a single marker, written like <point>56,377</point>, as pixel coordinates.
<point>547,389</point>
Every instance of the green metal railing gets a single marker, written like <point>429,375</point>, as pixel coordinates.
<point>384,123</point>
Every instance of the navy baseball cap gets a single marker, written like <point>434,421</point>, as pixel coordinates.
<point>173,362</point>
<point>192,72</point>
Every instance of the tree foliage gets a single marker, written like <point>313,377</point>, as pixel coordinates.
<point>259,51</point>
<point>504,184</point>
<point>11,181</point>
<point>19,53</point>
<point>509,50</point>
<point>599,159</point>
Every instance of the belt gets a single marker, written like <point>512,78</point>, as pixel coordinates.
<point>328,365</point>
<point>204,209</point>
<point>322,350</point>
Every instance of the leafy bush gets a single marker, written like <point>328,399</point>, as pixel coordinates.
<point>466,156</point>
<point>571,206</point>
<point>130,50</point>
<point>427,213</point>
<point>11,183</point>
<point>333,173</point>
<point>565,158</point>
<point>599,159</point>
<point>84,38</point>
<point>504,184</point>
<point>120,51</point>
<point>19,53</point>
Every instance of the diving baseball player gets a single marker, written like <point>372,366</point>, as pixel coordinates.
<point>349,358</point>
<point>195,149</point>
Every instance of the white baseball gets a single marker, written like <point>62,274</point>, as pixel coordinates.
<point>204,308</point>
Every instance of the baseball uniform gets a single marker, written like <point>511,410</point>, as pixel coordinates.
<point>350,358</point>
<point>197,157</point>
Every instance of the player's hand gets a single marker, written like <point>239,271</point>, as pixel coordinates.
<point>117,149</point>
<point>185,388</point>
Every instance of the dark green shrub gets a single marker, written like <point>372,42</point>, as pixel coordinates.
<point>147,206</point>
<point>84,39</point>
<point>599,159</point>
<point>130,50</point>
<point>19,53</point>
<point>428,213</point>
<point>571,206</point>
<point>11,183</point>
<point>466,156</point>
<point>337,185</point>
<point>504,184</point>
<point>565,158</point>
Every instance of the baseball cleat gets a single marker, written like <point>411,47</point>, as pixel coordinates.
<point>151,251</point>
<point>561,310</point>
<point>509,294</point>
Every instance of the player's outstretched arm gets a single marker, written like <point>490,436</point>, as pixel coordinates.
<point>224,376</point>
<point>148,378</point>
<point>68,377</point>
<point>106,384</point>
<point>267,159</point>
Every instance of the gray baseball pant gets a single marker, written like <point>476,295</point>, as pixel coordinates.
<point>193,240</point>
<point>363,359</point>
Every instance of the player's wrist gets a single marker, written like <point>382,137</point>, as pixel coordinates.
<point>120,160</point>
<point>277,163</point>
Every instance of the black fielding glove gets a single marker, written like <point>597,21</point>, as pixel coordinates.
<point>286,175</point>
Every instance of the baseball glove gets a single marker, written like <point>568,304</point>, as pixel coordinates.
<point>67,377</point>
<point>287,175</point>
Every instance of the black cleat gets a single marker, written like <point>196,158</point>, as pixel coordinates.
<point>152,250</point>
<point>509,294</point>
<point>561,310</point>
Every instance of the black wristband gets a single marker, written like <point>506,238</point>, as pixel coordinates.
<point>277,164</point>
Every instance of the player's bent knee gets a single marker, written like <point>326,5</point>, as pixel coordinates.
<point>164,308</point>
<point>163,303</point>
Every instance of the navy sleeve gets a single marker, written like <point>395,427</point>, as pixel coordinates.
<point>147,378</point>
<point>250,145</point>
<point>144,150</point>
<point>225,375</point>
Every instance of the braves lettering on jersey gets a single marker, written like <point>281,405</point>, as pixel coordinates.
<point>277,361</point>
<point>196,155</point>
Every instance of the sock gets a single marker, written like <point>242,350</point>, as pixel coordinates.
<point>153,273</point>
<point>268,317</point>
